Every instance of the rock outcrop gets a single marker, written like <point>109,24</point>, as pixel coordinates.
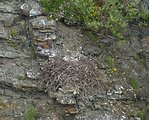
<point>80,80</point>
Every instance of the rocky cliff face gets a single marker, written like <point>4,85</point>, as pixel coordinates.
<point>58,72</point>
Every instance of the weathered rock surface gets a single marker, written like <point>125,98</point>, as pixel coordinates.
<point>123,85</point>
<point>3,33</point>
<point>31,8</point>
<point>43,32</point>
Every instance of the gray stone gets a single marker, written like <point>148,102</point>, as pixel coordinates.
<point>119,89</point>
<point>145,44</point>
<point>2,17</point>
<point>32,75</point>
<point>136,46</point>
<point>65,100</point>
<point>9,19</point>
<point>31,8</point>
<point>98,115</point>
<point>43,52</point>
<point>36,10</point>
<point>91,50</point>
<point>25,9</point>
<point>42,22</point>
<point>107,41</point>
<point>4,54</point>
<point>146,49</point>
<point>65,96</point>
<point>11,55</point>
<point>3,33</point>
<point>44,36</point>
<point>52,36</point>
<point>137,118</point>
<point>6,8</point>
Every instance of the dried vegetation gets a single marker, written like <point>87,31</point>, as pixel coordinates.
<point>82,75</point>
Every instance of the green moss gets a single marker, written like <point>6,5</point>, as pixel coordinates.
<point>141,115</point>
<point>121,43</point>
<point>110,60</point>
<point>136,112</point>
<point>102,46</point>
<point>134,83</point>
<point>91,36</point>
<point>31,113</point>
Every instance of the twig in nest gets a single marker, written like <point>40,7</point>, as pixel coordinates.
<point>82,75</point>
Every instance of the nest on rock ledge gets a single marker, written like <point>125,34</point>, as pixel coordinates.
<point>82,75</point>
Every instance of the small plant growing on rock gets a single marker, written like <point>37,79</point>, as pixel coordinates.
<point>12,32</point>
<point>112,16</point>
<point>10,41</point>
<point>31,113</point>
<point>141,115</point>
<point>134,83</point>
<point>21,77</point>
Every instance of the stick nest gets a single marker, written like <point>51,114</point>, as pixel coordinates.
<point>82,75</point>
